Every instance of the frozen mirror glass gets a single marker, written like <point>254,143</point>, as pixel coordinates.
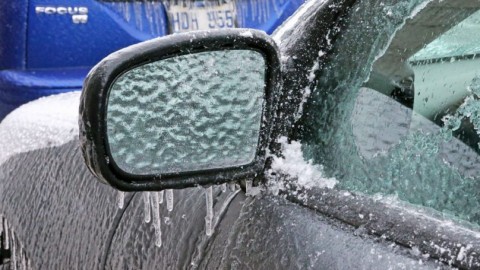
<point>186,113</point>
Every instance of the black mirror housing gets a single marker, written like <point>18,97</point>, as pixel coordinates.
<point>95,142</point>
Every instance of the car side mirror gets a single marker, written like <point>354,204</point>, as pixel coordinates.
<point>179,111</point>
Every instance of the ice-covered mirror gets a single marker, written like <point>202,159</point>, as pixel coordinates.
<point>190,112</point>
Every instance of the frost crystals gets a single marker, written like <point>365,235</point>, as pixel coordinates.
<point>209,217</point>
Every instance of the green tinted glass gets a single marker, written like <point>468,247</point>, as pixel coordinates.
<point>382,124</point>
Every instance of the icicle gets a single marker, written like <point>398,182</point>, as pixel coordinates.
<point>14,253</point>
<point>156,219</point>
<point>137,11</point>
<point>24,261</point>
<point>146,206</point>
<point>160,196</point>
<point>209,217</point>
<point>248,187</point>
<point>232,186</point>
<point>120,199</point>
<point>169,200</point>
<point>1,226</point>
<point>224,187</point>
<point>5,229</point>
<point>126,12</point>
<point>19,257</point>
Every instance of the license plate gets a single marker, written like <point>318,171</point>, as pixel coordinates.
<point>191,16</point>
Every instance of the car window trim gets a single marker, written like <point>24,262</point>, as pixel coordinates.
<point>441,238</point>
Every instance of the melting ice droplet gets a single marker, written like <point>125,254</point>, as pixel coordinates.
<point>146,207</point>
<point>169,200</point>
<point>209,217</point>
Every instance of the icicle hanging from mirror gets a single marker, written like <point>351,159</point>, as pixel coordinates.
<point>156,219</point>
<point>209,208</point>
<point>146,207</point>
<point>169,199</point>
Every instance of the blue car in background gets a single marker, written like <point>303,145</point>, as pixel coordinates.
<point>48,46</point>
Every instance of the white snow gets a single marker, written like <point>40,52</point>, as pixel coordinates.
<point>308,174</point>
<point>462,253</point>
<point>293,21</point>
<point>247,33</point>
<point>46,122</point>
<point>311,79</point>
<point>250,190</point>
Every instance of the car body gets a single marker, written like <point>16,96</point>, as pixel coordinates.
<point>47,47</point>
<point>352,182</point>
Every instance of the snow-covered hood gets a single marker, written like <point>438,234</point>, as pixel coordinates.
<point>46,122</point>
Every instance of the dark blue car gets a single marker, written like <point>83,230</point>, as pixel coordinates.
<point>47,47</point>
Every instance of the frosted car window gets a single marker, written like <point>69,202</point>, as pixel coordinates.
<point>384,125</point>
<point>165,118</point>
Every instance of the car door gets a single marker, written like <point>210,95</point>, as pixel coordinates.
<point>54,214</point>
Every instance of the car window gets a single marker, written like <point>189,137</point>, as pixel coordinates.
<point>396,110</point>
<point>462,39</point>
